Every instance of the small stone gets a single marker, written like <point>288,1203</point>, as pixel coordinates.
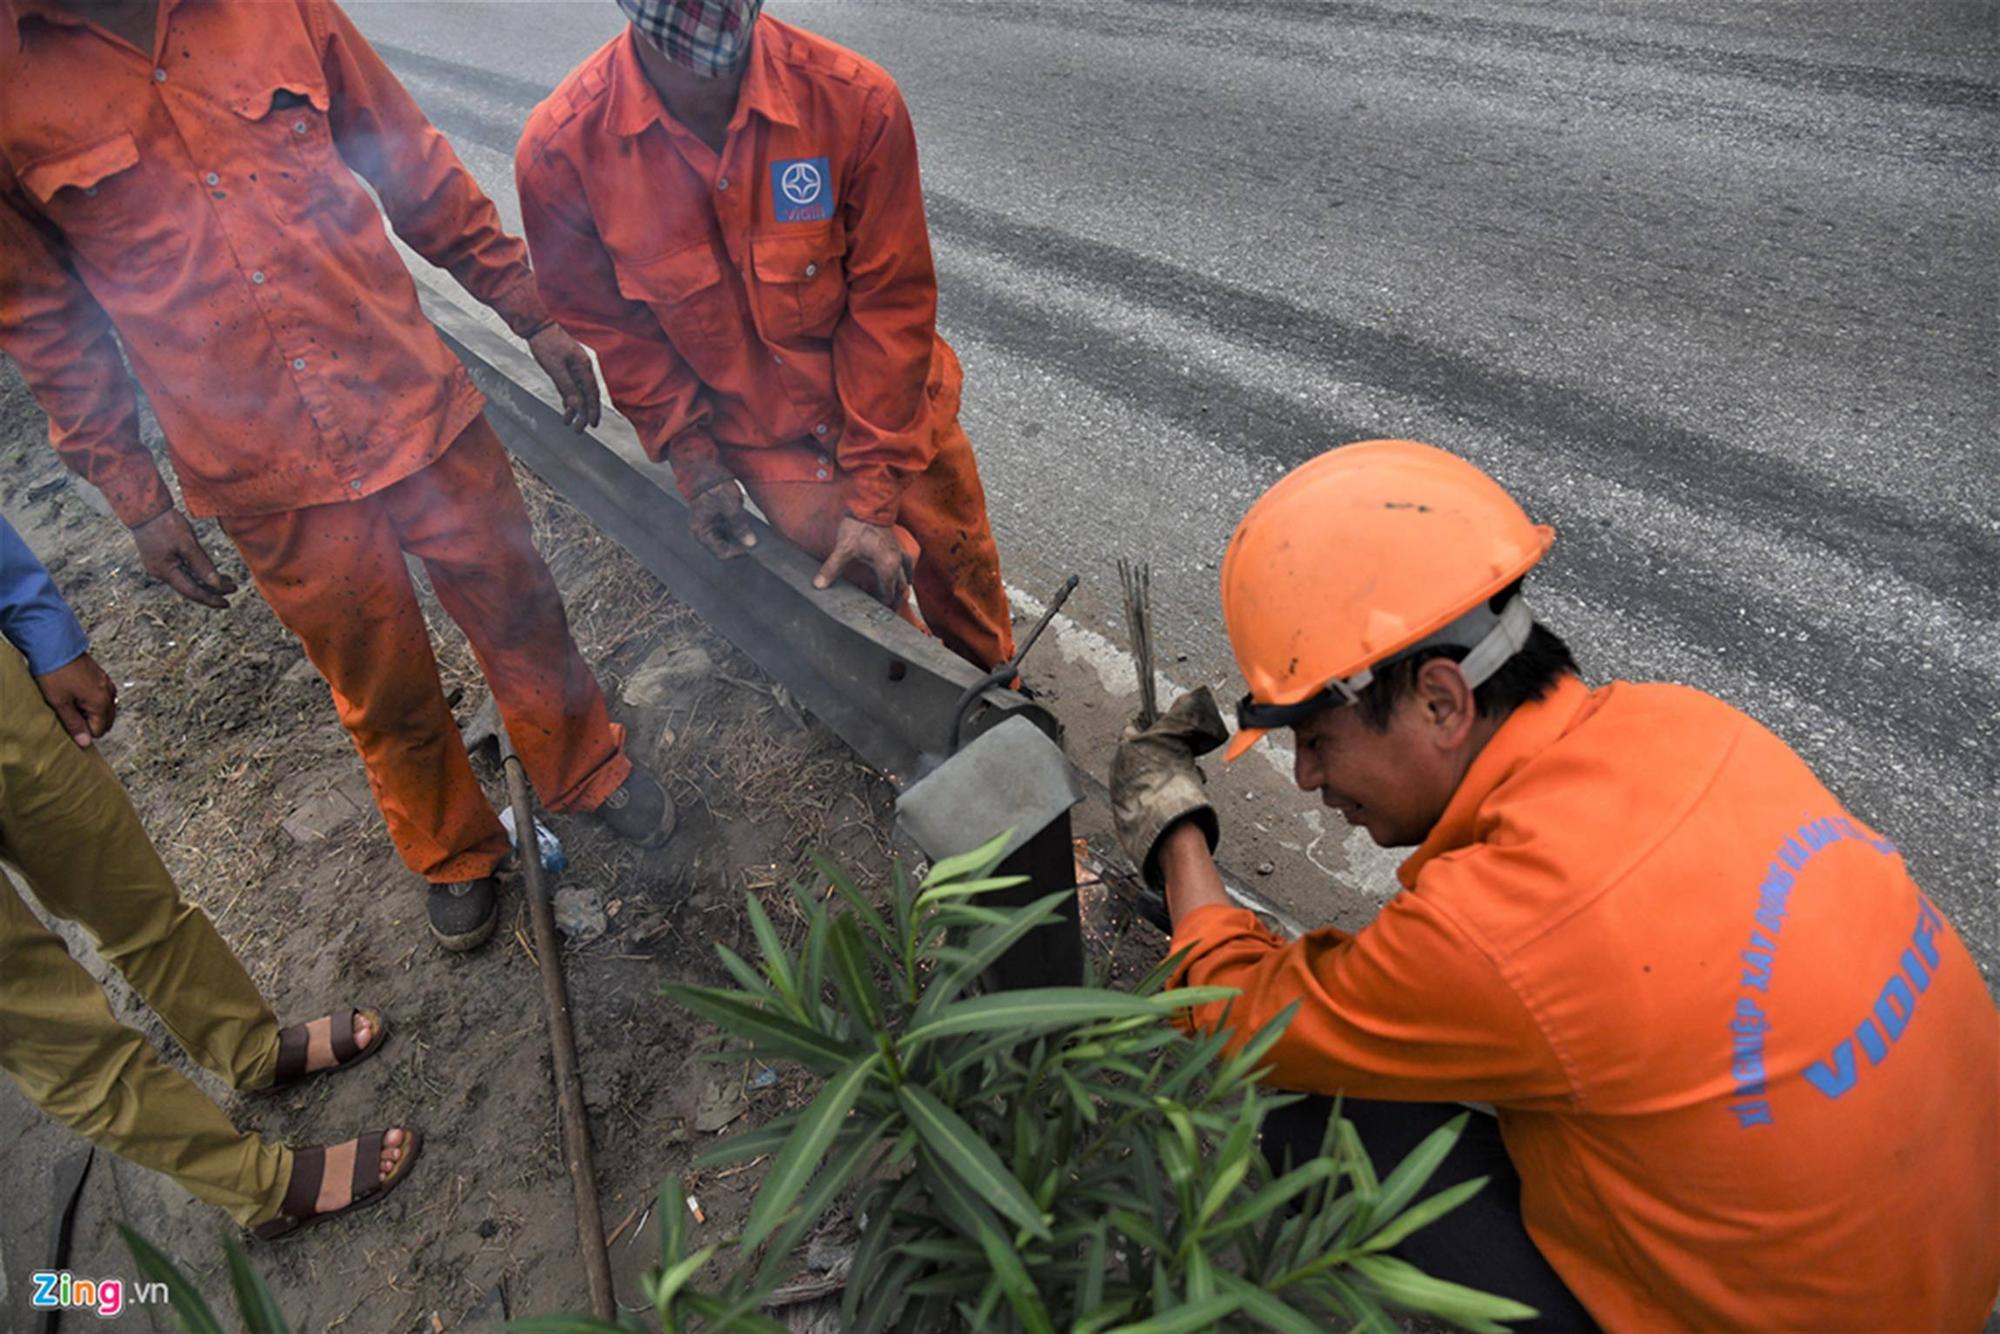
<point>489,1229</point>
<point>666,672</point>
<point>319,817</point>
<point>579,914</point>
<point>720,1104</point>
<point>1266,868</point>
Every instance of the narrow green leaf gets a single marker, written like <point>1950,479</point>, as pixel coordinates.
<point>1412,1289</point>
<point>1417,1167</point>
<point>748,1144</point>
<point>1267,1309</point>
<point>669,1282</point>
<point>972,865</point>
<point>1244,1062</point>
<point>850,1156</point>
<point>1423,1213</point>
<point>154,1266</point>
<point>960,1151</point>
<point>670,1206</point>
<point>851,974</point>
<point>1369,1317</point>
<point>864,1274</point>
<point>772,1035</point>
<point>804,1149</point>
<point>752,981</point>
<point>1026,1012</point>
<point>851,895</point>
<point>777,963</point>
<point>1187,1319</point>
<point>254,1303</point>
<point>1139,1229</point>
<point>1090,1293</point>
<point>1278,1193</point>
<point>1012,1278</point>
<point>983,950</point>
<point>964,889</point>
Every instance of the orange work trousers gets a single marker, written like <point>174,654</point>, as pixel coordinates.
<point>335,576</point>
<point>941,521</point>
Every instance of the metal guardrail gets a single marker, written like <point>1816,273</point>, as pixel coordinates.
<point>888,690</point>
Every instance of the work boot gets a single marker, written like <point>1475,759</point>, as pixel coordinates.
<point>640,811</point>
<point>464,912</point>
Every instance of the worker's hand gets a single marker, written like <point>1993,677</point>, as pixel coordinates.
<point>1155,783</point>
<point>874,545</point>
<point>172,554</point>
<point>568,366</point>
<point>716,518</point>
<point>84,698</point>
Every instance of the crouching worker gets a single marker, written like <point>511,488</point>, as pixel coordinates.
<point>727,209</point>
<point>1745,1074</point>
<point>69,832</point>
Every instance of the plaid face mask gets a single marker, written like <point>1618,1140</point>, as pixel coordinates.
<point>710,37</point>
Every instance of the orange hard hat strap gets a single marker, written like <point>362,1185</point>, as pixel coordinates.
<point>1490,638</point>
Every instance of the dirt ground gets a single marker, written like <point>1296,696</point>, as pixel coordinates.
<point>228,743</point>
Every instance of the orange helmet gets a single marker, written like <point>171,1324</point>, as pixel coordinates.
<point>1365,553</point>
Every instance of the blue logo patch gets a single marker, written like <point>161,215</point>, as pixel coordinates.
<point>801,190</point>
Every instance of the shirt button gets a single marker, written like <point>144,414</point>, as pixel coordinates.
<point>212,179</point>
<point>821,474</point>
<point>298,127</point>
<point>299,364</point>
<point>820,429</point>
<point>811,269</point>
<point>258,277</point>
<point>722,184</point>
<point>354,486</point>
<point>159,76</point>
<point>777,360</point>
<point>90,190</point>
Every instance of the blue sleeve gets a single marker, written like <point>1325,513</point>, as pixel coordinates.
<point>33,616</point>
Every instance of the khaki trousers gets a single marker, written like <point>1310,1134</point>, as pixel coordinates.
<point>69,830</point>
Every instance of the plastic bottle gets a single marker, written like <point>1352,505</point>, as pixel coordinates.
<point>553,857</point>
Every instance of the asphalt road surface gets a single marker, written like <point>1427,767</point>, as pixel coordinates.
<point>1711,286</point>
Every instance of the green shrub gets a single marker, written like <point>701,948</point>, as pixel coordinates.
<point>1059,1158</point>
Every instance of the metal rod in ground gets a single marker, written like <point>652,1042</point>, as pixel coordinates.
<point>1137,581</point>
<point>562,1048</point>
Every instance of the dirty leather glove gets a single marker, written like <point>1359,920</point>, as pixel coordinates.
<point>1154,781</point>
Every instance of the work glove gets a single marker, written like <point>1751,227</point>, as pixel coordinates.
<point>1155,783</point>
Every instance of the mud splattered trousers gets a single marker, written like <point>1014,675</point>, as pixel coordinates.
<point>941,523</point>
<point>335,575</point>
<point>69,832</point>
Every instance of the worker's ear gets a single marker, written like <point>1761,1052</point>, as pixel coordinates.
<point>1447,702</point>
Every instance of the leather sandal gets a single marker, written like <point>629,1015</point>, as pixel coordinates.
<point>358,1162</point>
<point>330,1035</point>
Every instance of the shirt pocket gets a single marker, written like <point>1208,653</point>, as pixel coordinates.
<point>100,197</point>
<point>684,290</point>
<point>294,158</point>
<point>801,283</point>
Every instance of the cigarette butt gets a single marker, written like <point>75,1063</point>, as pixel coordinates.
<point>437,1325</point>
<point>694,1207</point>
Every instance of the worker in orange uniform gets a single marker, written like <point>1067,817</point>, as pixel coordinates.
<point>1746,1076</point>
<point>727,209</point>
<point>184,176</point>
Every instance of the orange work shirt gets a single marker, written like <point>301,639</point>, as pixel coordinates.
<point>201,200</point>
<point>769,311</point>
<point>1749,1074</point>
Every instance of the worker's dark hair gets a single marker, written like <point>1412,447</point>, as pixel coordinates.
<point>1522,679</point>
